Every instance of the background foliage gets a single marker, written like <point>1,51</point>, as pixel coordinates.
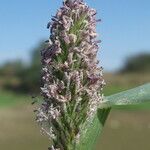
<point>137,63</point>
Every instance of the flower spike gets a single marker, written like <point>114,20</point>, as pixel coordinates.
<point>72,80</point>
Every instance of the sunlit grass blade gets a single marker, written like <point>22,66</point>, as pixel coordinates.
<point>134,96</point>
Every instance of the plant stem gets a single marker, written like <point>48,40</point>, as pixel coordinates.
<point>93,130</point>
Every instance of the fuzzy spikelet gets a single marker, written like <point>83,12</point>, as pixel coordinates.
<point>71,78</point>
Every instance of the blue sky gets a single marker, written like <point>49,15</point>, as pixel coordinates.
<point>124,30</point>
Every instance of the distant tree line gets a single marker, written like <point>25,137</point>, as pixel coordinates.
<point>137,63</point>
<point>19,77</point>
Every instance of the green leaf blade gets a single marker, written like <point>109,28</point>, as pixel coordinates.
<point>137,95</point>
<point>134,96</point>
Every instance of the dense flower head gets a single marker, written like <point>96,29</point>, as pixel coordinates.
<point>72,80</point>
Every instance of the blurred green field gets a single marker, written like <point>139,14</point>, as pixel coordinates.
<point>8,98</point>
<point>126,128</point>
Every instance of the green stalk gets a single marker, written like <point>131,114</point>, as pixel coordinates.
<point>94,129</point>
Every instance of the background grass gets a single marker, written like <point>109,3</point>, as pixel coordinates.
<point>8,99</point>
